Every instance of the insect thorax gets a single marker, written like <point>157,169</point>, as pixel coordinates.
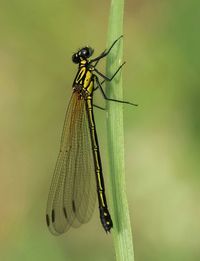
<point>84,79</point>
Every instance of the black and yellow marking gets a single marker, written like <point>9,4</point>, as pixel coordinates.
<point>73,191</point>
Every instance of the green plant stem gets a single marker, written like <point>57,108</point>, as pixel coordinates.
<point>121,232</point>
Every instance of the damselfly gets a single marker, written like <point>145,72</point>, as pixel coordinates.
<point>73,190</point>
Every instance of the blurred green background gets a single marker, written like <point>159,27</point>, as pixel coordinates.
<point>162,74</point>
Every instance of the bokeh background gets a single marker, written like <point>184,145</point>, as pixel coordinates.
<point>162,74</point>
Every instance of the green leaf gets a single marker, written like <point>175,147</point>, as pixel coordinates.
<point>121,232</point>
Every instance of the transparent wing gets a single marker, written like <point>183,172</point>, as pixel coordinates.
<point>72,193</point>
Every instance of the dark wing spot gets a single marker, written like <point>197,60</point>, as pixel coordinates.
<point>53,216</point>
<point>65,212</point>
<point>47,220</point>
<point>73,206</point>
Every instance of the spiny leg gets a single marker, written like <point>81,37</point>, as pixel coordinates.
<point>106,78</point>
<point>95,88</point>
<point>106,52</point>
<point>108,99</point>
<point>99,107</point>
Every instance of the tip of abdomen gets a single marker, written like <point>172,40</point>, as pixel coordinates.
<point>105,219</point>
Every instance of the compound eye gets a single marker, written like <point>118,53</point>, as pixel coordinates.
<point>85,52</point>
<point>75,58</point>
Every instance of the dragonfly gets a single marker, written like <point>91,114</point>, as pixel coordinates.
<point>78,177</point>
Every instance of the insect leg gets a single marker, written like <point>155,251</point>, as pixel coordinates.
<point>106,52</point>
<point>108,99</point>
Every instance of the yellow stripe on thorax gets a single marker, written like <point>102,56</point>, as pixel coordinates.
<point>80,75</point>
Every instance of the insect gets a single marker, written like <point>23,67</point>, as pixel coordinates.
<point>78,176</point>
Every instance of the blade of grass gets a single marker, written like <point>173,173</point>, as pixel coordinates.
<point>121,232</point>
